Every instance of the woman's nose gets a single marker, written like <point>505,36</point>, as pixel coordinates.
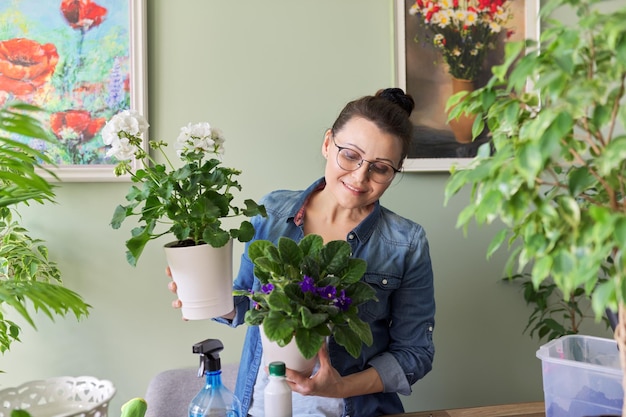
<point>362,173</point>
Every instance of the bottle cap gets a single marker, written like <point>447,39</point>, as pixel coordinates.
<point>277,368</point>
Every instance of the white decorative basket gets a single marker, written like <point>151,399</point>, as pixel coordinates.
<point>64,396</point>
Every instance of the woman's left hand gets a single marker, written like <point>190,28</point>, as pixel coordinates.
<point>325,383</point>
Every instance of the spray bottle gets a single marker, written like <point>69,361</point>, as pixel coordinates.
<point>214,400</point>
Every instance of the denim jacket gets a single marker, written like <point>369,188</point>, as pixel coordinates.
<point>402,320</point>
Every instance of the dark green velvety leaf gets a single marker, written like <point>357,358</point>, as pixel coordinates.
<point>257,249</point>
<point>309,342</point>
<point>290,253</point>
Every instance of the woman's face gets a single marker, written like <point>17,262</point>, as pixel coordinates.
<point>362,139</point>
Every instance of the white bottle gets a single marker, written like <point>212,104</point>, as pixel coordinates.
<point>277,394</point>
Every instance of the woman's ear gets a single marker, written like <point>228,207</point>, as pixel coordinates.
<point>327,141</point>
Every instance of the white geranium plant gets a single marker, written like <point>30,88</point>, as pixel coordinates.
<point>190,200</point>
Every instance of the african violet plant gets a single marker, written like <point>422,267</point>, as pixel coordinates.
<point>309,290</point>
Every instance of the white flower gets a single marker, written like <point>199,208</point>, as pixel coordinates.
<point>218,138</point>
<point>443,19</point>
<point>471,18</point>
<point>121,149</point>
<point>495,27</point>
<point>128,121</point>
<point>199,137</point>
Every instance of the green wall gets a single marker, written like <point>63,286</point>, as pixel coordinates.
<point>272,75</point>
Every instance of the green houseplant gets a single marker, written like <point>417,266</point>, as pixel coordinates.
<point>310,290</point>
<point>557,175</point>
<point>192,200</point>
<point>554,314</point>
<point>28,277</point>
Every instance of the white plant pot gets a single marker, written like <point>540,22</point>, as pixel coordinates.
<point>289,354</point>
<point>204,279</point>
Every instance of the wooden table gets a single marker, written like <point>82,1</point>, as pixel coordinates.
<point>536,409</point>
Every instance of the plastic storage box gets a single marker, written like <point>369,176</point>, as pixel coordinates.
<point>582,377</point>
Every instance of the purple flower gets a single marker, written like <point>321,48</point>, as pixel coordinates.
<point>343,301</point>
<point>116,86</point>
<point>267,288</point>
<point>328,292</point>
<point>307,284</point>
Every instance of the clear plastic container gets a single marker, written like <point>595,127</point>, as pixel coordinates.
<point>582,377</point>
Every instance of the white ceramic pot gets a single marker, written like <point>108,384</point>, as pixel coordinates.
<point>204,278</point>
<point>289,354</point>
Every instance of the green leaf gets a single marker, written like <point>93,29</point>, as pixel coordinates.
<point>311,244</point>
<point>529,161</point>
<point>604,296</point>
<point>580,179</point>
<point>309,342</point>
<point>356,269</point>
<point>290,253</point>
<point>310,320</point>
<point>496,242</point>
<point>348,338</point>
<point>278,301</point>
<point>245,233</point>
<point>613,156</point>
<point>335,255</point>
<point>361,329</point>
<point>360,292</point>
<point>258,248</point>
<point>278,328</point>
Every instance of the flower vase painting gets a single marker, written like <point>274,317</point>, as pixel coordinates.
<point>448,46</point>
<point>81,61</point>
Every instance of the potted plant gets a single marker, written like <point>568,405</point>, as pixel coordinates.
<point>554,173</point>
<point>27,274</point>
<point>191,201</point>
<point>309,290</point>
<point>554,314</point>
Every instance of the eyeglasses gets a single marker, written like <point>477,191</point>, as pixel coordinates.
<point>350,160</point>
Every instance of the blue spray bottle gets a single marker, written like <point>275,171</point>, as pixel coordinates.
<point>214,400</point>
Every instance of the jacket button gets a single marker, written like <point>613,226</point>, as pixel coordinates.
<point>384,281</point>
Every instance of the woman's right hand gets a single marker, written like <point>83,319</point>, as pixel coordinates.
<point>172,287</point>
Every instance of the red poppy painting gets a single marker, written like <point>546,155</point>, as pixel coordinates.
<point>77,60</point>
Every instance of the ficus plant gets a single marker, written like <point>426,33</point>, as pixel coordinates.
<point>29,279</point>
<point>554,173</point>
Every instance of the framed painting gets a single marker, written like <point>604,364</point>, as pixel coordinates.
<point>81,61</point>
<point>422,71</point>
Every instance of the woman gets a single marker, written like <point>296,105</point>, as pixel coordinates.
<point>364,150</point>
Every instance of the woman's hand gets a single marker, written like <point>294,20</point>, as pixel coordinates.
<point>172,287</point>
<point>327,382</point>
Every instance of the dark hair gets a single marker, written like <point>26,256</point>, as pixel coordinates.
<point>389,109</point>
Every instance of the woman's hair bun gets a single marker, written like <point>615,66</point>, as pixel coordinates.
<point>399,97</point>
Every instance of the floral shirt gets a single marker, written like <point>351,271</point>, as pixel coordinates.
<point>402,320</point>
